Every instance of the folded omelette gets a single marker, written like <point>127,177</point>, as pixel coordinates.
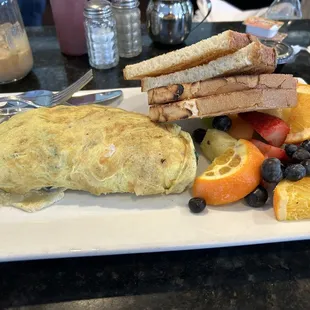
<point>90,148</point>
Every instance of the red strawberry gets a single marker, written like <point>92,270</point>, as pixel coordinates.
<point>270,151</point>
<point>271,128</point>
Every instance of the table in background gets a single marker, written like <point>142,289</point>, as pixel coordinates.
<point>274,276</point>
<point>54,71</point>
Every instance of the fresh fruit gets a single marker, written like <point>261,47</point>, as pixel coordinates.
<point>215,143</point>
<point>222,122</point>
<point>257,198</point>
<point>271,128</point>
<point>306,145</point>
<point>299,120</point>
<point>290,149</point>
<point>196,204</point>
<point>199,134</point>
<point>268,186</point>
<point>301,154</point>
<point>306,164</point>
<point>272,170</point>
<point>231,176</point>
<point>291,200</point>
<point>284,114</point>
<point>240,129</point>
<point>207,121</point>
<point>270,151</point>
<point>294,172</point>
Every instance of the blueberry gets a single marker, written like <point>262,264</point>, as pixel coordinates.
<point>306,164</point>
<point>199,134</point>
<point>306,145</point>
<point>257,198</point>
<point>290,149</point>
<point>221,123</point>
<point>283,167</point>
<point>301,154</point>
<point>272,170</point>
<point>295,172</point>
<point>197,204</point>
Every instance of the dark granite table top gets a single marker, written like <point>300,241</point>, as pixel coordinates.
<point>274,276</point>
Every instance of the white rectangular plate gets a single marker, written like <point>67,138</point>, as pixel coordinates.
<point>85,225</point>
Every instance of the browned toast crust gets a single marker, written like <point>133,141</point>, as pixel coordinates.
<point>228,103</point>
<point>255,58</point>
<point>188,57</point>
<point>179,92</point>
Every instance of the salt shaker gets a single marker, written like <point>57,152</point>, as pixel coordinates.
<point>101,36</point>
<point>128,24</point>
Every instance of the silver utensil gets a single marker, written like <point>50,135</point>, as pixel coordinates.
<point>113,97</point>
<point>46,98</point>
<point>12,111</point>
<point>107,98</point>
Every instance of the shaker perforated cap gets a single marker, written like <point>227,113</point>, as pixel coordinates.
<point>125,4</point>
<point>97,8</point>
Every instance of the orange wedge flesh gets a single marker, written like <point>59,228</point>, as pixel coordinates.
<point>231,176</point>
<point>299,120</point>
<point>291,200</point>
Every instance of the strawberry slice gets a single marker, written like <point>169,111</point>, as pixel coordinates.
<point>270,151</point>
<point>271,128</point>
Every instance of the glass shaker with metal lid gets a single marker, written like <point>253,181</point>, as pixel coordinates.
<point>128,24</point>
<point>286,11</point>
<point>101,37</point>
<point>15,53</point>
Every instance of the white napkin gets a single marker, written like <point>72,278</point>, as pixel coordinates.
<point>298,48</point>
<point>223,11</point>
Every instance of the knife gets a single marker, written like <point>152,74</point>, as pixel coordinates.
<point>114,97</point>
<point>105,98</point>
<point>12,111</point>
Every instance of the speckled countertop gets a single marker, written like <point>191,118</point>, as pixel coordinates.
<point>274,276</point>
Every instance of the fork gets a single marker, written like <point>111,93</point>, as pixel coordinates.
<point>67,93</point>
<point>46,98</point>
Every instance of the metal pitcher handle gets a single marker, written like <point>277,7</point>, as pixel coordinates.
<point>209,6</point>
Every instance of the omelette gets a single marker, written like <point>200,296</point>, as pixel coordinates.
<point>90,148</point>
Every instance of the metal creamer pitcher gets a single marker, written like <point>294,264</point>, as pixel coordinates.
<point>170,21</point>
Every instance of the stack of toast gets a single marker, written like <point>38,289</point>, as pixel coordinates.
<point>226,74</point>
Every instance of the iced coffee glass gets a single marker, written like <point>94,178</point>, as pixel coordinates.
<point>15,53</point>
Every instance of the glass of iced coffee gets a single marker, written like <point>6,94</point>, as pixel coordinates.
<point>15,53</point>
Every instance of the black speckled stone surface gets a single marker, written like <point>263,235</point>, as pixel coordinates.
<point>55,71</point>
<point>274,276</point>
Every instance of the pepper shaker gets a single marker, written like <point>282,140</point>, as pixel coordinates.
<point>128,24</point>
<point>101,35</point>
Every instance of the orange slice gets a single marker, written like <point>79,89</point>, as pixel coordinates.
<point>299,120</point>
<point>291,200</point>
<point>231,176</point>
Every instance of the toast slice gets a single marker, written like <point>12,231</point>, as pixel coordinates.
<point>178,92</point>
<point>255,58</point>
<point>190,56</point>
<point>229,103</point>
